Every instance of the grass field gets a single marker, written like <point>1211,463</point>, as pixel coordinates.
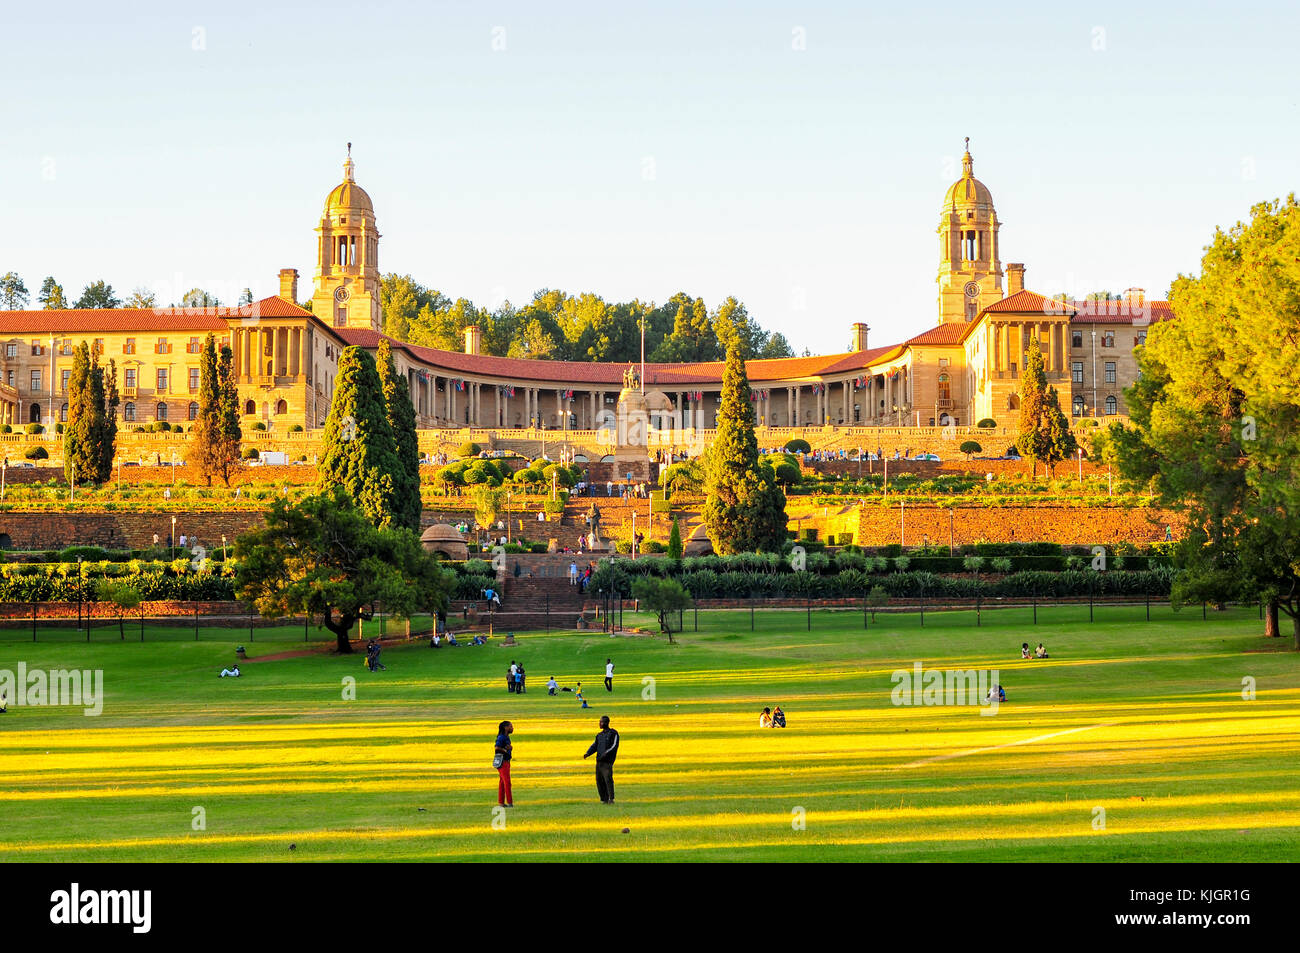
<point>1143,720</point>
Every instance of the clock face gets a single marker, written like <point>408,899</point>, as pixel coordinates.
<point>342,294</point>
<point>972,289</point>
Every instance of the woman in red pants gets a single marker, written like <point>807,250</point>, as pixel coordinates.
<point>502,761</point>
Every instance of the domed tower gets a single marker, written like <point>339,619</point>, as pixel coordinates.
<point>347,257</point>
<point>970,271</point>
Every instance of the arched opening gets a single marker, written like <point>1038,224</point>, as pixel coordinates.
<point>162,411</point>
<point>1078,406</point>
<point>128,411</point>
<point>1112,405</point>
<point>35,415</point>
<point>194,410</point>
<point>281,407</point>
<point>250,407</point>
<point>1013,402</point>
<point>63,414</point>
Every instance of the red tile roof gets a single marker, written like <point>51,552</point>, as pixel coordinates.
<point>1084,312</point>
<point>109,320</point>
<point>1029,302</point>
<point>590,372</point>
<point>951,333</point>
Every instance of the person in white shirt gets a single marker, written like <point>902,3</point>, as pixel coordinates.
<point>609,675</point>
<point>230,672</point>
<point>573,574</point>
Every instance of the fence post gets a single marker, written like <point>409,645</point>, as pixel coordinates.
<point>1034,597</point>
<point>696,611</point>
<point>809,613</point>
<point>979,603</point>
<point>1090,592</point>
<point>923,606</point>
<point>306,625</point>
<point>33,620</point>
<point>1148,598</point>
<point>864,598</point>
<point>250,622</point>
<point>751,612</point>
<point>548,612</point>
<point>1202,611</point>
<point>196,620</point>
<point>141,620</point>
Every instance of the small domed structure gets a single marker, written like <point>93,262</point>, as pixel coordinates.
<point>446,539</point>
<point>967,190</point>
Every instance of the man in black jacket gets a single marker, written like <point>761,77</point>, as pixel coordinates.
<point>605,748</point>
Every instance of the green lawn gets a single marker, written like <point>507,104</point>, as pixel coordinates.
<point>1143,720</point>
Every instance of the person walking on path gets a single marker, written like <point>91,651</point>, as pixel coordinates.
<point>573,574</point>
<point>605,748</point>
<point>609,675</point>
<point>505,797</point>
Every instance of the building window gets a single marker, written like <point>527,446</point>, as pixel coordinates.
<point>63,382</point>
<point>250,408</point>
<point>162,411</point>
<point>194,347</point>
<point>36,380</point>
<point>1078,406</point>
<point>194,411</point>
<point>1112,405</point>
<point>130,377</point>
<point>1141,338</point>
<point>35,415</point>
<point>66,349</point>
<point>9,378</point>
<point>1110,372</point>
<point>1076,371</point>
<point>281,407</point>
<point>37,349</point>
<point>162,347</point>
<point>63,413</point>
<point>1076,339</point>
<point>1108,339</point>
<point>162,380</point>
<point>128,411</point>
<point>129,346</point>
<point>99,345</point>
<point>194,379</point>
<point>11,350</point>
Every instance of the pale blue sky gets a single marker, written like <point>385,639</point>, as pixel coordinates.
<point>1114,137</point>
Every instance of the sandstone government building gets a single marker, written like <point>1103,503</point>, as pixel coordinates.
<point>963,370</point>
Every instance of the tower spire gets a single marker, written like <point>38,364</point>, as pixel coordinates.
<point>967,163</point>
<point>348,165</point>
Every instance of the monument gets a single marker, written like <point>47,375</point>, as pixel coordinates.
<point>632,444</point>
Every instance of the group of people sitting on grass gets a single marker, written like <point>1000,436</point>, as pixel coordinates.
<point>772,718</point>
<point>1039,652</point>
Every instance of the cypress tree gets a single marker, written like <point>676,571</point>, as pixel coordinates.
<point>216,432</point>
<point>401,419</point>
<point>744,511</point>
<point>91,429</point>
<point>1044,431</point>
<point>358,450</point>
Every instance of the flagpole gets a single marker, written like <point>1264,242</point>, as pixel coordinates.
<point>642,355</point>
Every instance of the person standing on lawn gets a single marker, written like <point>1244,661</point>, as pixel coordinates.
<point>505,797</point>
<point>605,748</point>
<point>609,675</point>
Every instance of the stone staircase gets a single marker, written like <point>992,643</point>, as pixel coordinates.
<point>540,596</point>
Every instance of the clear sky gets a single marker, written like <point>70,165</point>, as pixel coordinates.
<point>792,154</point>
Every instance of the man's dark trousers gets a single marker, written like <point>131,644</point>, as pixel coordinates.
<point>605,780</point>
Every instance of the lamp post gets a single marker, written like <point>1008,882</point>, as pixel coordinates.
<point>79,594</point>
<point>173,537</point>
<point>4,468</point>
<point>634,533</point>
<point>1079,451</point>
<point>223,547</point>
<point>951,533</point>
<point>173,468</point>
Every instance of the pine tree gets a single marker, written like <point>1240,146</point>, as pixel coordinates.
<point>216,432</point>
<point>1044,429</point>
<point>401,418</point>
<point>358,450</point>
<point>675,542</point>
<point>91,429</point>
<point>744,512</point>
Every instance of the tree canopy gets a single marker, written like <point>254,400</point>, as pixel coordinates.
<point>90,435</point>
<point>358,451</point>
<point>216,433</point>
<point>324,557</point>
<point>1216,416</point>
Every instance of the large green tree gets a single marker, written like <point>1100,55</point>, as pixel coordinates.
<point>215,436</point>
<point>98,294</point>
<point>745,508</point>
<point>51,295</point>
<point>324,557</point>
<point>1216,416</point>
<point>91,429</point>
<point>13,293</point>
<point>401,419</point>
<point>1044,433</point>
<point>358,451</point>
